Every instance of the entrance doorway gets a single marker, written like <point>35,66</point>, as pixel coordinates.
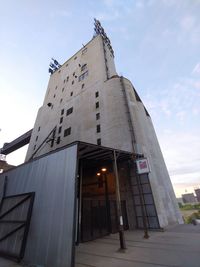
<point>98,203</point>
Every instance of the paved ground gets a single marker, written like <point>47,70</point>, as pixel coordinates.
<point>178,247</point>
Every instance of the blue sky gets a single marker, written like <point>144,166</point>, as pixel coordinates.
<point>156,44</point>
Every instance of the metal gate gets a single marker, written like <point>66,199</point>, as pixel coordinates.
<point>99,213</point>
<point>15,216</point>
<point>95,220</point>
<point>142,189</point>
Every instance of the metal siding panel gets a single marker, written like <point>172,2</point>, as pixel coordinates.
<point>50,239</point>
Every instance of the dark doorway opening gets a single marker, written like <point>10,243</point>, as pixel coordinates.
<point>98,202</point>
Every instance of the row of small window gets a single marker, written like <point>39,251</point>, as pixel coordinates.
<point>69,111</point>
<point>81,77</point>
<point>71,94</point>
<point>83,52</point>
<point>66,133</point>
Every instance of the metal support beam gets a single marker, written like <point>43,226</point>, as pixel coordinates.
<point>17,143</point>
<point>118,202</point>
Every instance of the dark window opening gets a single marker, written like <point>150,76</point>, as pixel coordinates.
<point>38,128</point>
<point>54,96</point>
<point>75,58</point>
<point>62,111</point>
<point>71,94</point>
<point>82,86</point>
<point>34,147</point>
<point>99,141</point>
<point>67,131</point>
<point>61,119</point>
<point>63,89</point>
<point>64,81</point>
<point>96,94</point>
<point>36,138</point>
<point>97,116</point>
<point>84,67</point>
<point>98,128</point>
<point>82,76</point>
<point>61,100</point>
<point>69,111</point>
<point>97,104</point>
<point>58,140</point>
<point>60,129</point>
<point>73,73</point>
<point>67,78</point>
<point>72,82</point>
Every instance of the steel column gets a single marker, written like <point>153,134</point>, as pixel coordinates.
<point>118,203</point>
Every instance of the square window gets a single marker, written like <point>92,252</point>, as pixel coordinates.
<point>97,104</point>
<point>67,131</point>
<point>97,116</point>
<point>69,111</point>
<point>99,141</point>
<point>61,119</point>
<point>98,128</point>
<point>71,94</point>
<point>60,129</point>
<point>96,94</point>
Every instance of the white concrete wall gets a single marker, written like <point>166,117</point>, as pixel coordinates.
<point>114,119</point>
<point>83,119</point>
<point>165,200</point>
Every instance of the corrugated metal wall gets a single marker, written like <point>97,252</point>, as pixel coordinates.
<point>52,177</point>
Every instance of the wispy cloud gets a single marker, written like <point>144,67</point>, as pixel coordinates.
<point>188,23</point>
<point>196,69</point>
<point>60,13</point>
<point>178,99</point>
<point>181,151</point>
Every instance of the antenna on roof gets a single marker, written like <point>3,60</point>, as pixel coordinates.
<point>54,66</point>
<point>99,30</point>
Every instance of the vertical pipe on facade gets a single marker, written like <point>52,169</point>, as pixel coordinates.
<point>130,120</point>
<point>105,60</point>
